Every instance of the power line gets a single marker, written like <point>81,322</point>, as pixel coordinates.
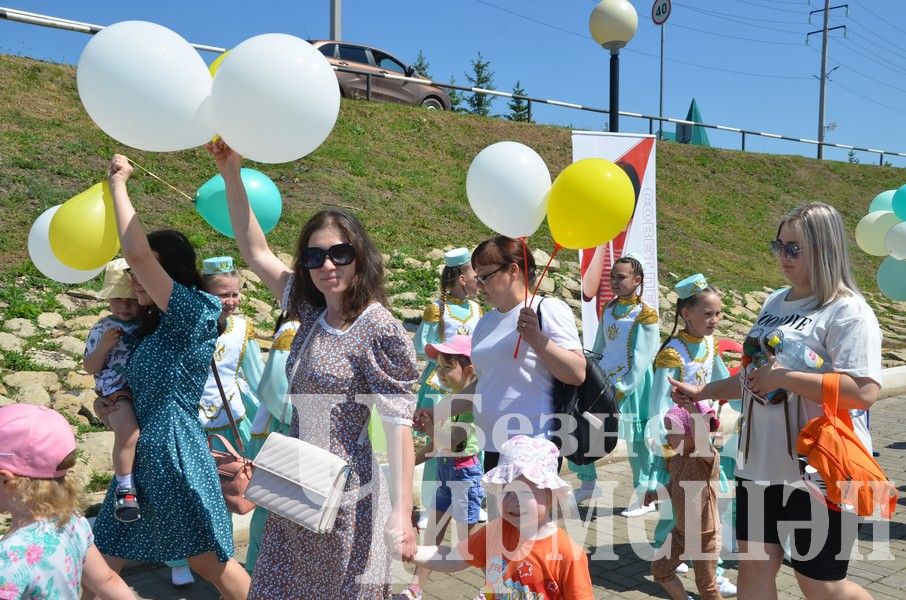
<point>874,57</point>
<point>873,34</point>
<point>879,17</point>
<point>858,72</point>
<point>733,37</point>
<point>787,10</point>
<point>872,100</point>
<point>741,20</point>
<point>628,49</point>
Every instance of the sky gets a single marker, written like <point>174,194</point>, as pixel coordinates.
<point>745,62</point>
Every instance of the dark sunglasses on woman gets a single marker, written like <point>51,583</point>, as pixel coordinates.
<point>791,249</point>
<point>340,255</point>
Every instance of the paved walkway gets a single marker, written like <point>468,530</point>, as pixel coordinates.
<point>617,571</point>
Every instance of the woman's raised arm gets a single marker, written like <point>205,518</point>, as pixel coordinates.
<point>249,236</point>
<point>146,271</point>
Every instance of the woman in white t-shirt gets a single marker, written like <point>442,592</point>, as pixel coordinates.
<point>515,395</point>
<point>822,309</point>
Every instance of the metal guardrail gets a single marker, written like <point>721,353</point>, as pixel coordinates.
<point>30,18</point>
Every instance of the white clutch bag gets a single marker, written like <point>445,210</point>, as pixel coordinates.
<point>298,481</point>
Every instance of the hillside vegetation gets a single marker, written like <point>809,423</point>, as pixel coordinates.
<point>402,171</point>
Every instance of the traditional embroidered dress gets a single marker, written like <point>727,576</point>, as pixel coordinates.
<point>235,350</point>
<point>269,385</point>
<point>627,340</point>
<point>459,318</point>
<point>692,360</point>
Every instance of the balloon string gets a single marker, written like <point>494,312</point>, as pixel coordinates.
<point>166,183</point>
<point>525,298</point>
<point>557,248</point>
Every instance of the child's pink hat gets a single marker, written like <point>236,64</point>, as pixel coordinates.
<point>529,457</point>
<point>34,440</point>
<point>458,344</point>
<point>681,419</point>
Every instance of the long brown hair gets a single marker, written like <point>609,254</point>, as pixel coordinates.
<point>367,284</point>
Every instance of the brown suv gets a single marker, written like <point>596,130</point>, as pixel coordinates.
<point>371,60</point>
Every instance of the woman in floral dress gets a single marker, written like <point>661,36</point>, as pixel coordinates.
<point>348,354</point>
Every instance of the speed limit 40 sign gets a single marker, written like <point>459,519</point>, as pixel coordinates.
<point>660,11</point>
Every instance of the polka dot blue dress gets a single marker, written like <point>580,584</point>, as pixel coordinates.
<point>182,507</point>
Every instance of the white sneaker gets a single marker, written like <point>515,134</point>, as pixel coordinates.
<point>181,576</point>
<point>482,515</point>
<point>638,511</point>
<point>682,568</point>
<point>725,587</point>
<point>585,493</point>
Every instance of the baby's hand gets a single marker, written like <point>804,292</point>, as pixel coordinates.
<point>110,337</point>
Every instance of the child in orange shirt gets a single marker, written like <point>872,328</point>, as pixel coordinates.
<point>523,552</point>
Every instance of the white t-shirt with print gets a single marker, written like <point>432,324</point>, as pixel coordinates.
<point>42,560</point>
<point>522,387</point>
<point>846,334</point>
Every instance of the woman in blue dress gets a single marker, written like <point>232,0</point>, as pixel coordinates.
<point>177,481</point>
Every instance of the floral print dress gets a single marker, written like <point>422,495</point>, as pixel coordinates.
<point>339,376</point>
<point>44,560</point>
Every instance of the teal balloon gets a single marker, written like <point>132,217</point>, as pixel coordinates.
<point>882,201</point>
<point>898,203</point>
<point>892,278</point>
<point>264,198</point>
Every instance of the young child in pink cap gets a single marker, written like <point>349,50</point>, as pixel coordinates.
<point>49,550</point>
<point>455,449</point>
<point>523,552</point>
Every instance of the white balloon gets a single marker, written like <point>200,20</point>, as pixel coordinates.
<point>146,87</point>
<point>43,257</point>
<point>507,186</point>
<point>895,241</point>
<point>275,98</point>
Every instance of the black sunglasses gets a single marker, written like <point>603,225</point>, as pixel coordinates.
<point>340,255</point>
<point>790,249</point>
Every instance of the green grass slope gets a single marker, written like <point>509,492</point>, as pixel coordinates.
<point>402,171</point>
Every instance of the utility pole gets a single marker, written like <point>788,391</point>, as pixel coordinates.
<point>824,72</point>
<point>335,19</point>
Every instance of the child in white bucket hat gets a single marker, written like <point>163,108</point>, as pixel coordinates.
<point>544,561</point>
<point>107,350</point>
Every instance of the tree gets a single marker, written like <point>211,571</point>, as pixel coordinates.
<point>456,98</point>
<point>519,110</point>
<point>481,77</point>
<point>852,158</point>
<point>421,65</point>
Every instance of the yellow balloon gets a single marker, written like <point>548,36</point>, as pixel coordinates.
<point>589,203</point>
<point>212,68</point>
<point>83,231</point>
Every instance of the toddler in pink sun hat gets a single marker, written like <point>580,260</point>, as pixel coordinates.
<point>49,549</point>
<point>523,552</point>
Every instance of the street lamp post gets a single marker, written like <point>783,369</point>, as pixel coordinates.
<point>612,24</point>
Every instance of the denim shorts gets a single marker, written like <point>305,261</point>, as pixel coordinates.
<point>459,490</point>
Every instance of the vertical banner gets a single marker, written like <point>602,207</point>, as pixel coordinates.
<point>635,153</point>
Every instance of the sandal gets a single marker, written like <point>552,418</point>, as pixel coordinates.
<point>125,506</point>
<point>413,592</point>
